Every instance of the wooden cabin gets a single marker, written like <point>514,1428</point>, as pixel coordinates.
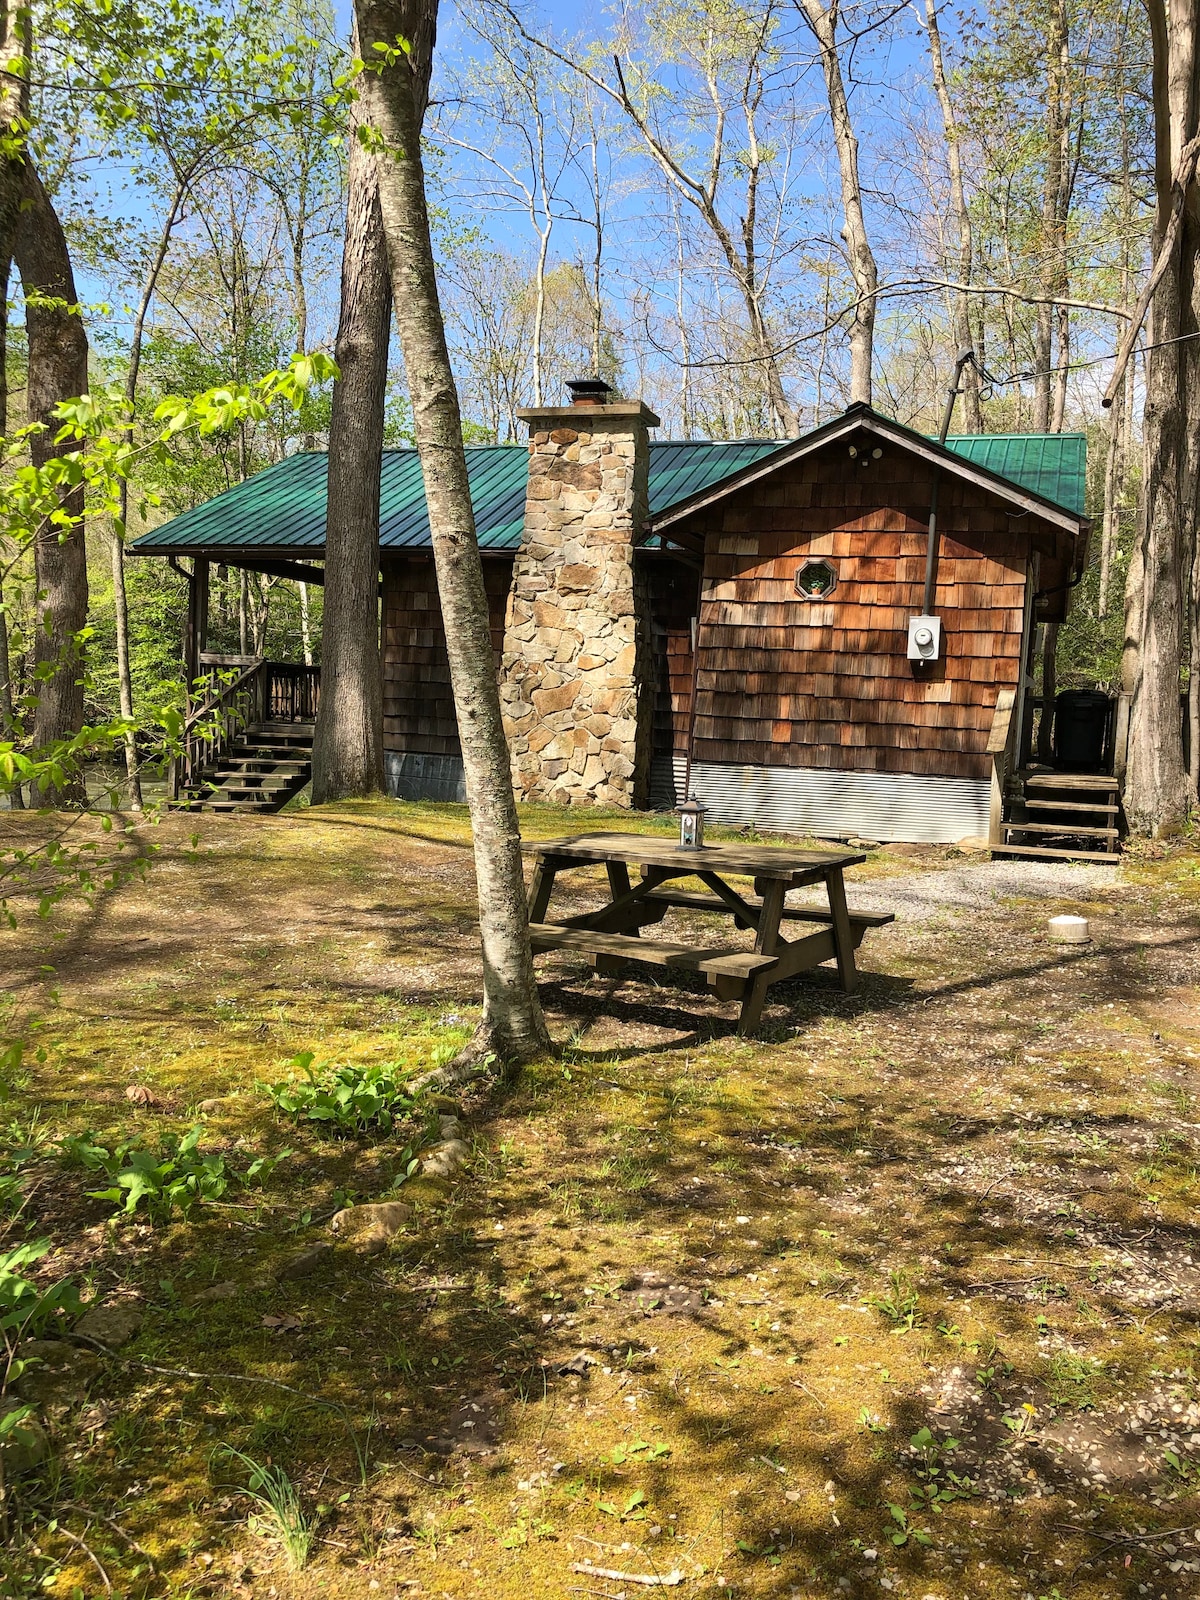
<point>734,613</point>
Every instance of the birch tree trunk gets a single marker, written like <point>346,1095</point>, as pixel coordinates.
<point>1156,790</point>
<point>394,102</point>
<point>1114,479</point>
<point>348,744</point>
<point>305,629</point>
<point>823,22</point>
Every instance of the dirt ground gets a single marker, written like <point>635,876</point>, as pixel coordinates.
<point>900,1298</point>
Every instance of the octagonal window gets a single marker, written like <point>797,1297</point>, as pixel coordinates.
<point>816,580</point>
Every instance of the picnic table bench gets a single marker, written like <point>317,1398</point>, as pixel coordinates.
<point>612,934</point>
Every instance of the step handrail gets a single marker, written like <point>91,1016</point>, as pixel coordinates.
<point>208,730</point>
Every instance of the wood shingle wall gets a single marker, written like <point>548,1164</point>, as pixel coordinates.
<point>418,708</point>
<point>785,681</point>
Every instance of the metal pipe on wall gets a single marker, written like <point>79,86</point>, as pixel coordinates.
<point>934,540</point>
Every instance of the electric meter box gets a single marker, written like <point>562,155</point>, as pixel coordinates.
<point>924,638</point>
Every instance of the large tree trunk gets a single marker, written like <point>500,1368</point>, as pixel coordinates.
<point>1156,797</point>
<point>394,104</point>
<point>8,688</point>
<point>14,99</point>
<point>823,22</point>
<point>14,112</point>
<point>348,747</point>
<point>58,370</point>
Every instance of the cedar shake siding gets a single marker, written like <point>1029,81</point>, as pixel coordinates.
<point>420,732</point>
<point>789,682</point>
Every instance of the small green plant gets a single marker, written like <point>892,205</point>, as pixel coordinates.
<point>1071,1380</point>
<point>1021,1422</point>
<point>905,1530</point>
<point>350,1100</point>
<point>939,1484</point>
<point>769,1552</point>
<point>525,1529</point>
<point>989,1377</point>
<point>952,1332</point>
<point>634,1509</point>
<point>1181,1467</point>
<point>280,1509</point>
<point>639,1449</point>
<point>901,1303</point>
<point>25,1308</point>
<point>173,1176</point>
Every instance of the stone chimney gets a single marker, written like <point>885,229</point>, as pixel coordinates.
<point>575,685</point>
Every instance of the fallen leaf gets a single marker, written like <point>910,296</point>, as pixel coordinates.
<point>138,1094</point>
<point>282,1324</point>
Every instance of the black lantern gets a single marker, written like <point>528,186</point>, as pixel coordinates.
<point>691,825</point>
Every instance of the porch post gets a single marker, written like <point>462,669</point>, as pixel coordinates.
<point>196,626</point>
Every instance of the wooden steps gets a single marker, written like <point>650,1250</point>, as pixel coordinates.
<point>1078,810</point>
<point>1055,854</point>
<point>1075,829</point>
<point>267,766</point>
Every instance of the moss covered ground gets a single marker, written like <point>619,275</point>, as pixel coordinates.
<point>900,1298</point>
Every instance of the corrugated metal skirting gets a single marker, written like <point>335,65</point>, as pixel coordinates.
<point>411,775</point>
<point>887,806</point>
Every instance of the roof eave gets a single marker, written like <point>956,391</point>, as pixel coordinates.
<point>856,419</point>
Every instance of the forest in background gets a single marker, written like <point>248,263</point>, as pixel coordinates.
<point>667,198</point>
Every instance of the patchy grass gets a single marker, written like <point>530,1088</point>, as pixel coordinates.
<point>899,1299</point>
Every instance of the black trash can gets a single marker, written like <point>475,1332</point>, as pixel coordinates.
<point>1081,724</point>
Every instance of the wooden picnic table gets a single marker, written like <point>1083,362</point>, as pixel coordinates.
<point>612,934</point>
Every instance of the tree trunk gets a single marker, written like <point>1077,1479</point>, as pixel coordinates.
<point>120,596</point>
<point>394,104</point>
<point>243,612</point>
<point>305,628</point>
<point>1156,796</point>
<point>14,113</point>
<point>1045,740</point>
<point>823,22</point>
<point>1049,394</point>
<point>1114,483</point>
<point>8,696</point>
<point>124,675</point>
<point>348,746</point>
<point>961,218</point>
<point>58,370</point>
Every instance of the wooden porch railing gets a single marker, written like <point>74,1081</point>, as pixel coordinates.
<point>224,709</point>
<point>292,693</point>
<point>257,691</point>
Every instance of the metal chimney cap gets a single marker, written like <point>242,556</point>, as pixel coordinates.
<point>588,391</point>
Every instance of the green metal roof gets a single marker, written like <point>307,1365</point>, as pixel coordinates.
<point>282,508</point>
<point>1050,464</point>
